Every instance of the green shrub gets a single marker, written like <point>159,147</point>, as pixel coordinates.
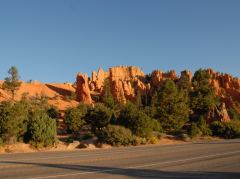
<point>153,140</point>
<point>138,122</point>
<point>139,141</point>
<point>194,131</point>
<point>13,121</point>
<point>1,142</point>
<point>203,126</point>
<point>233,114</point>
<point>87,136</point>
<point>42,130</point>
<point>115,135</point>
<point>75,118</point>
<point>156,126</point>
<point>227,130</point>
<point>99,117</point>
<point>199,128</point>
<point>53,112</point>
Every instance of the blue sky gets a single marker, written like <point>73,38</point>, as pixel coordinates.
<point>51,40</point>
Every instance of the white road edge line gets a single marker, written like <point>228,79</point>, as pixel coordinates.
<point>139,166</point>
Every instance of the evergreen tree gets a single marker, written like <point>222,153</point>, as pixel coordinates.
<point>12,82</point>
<point>13,121</point>
<point>137,121</point>
<point>42,131</point>
<point>184,84</point>
<point>203,96</point>
<point>98,117</point>
<point>171,107</point>
<point>108,99</point>
<point>138,100</point>
<point>75,118</point>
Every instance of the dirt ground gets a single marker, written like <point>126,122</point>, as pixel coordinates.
<point>26,148</point>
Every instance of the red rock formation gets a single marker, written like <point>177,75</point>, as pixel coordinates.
<point>126,81</point>
<point>125,73</point>
<point>97,80</point>
<point>141,86</point>
<point>187,73</point>
<point>218,113</point>
<point>83,91</point>
<point>117,91</point>
<point>227,87</point>
<point>170,75</point>
<point>157,77</point>
<point>94,76</point>
<point>100,79</point>
<point>129,92</point>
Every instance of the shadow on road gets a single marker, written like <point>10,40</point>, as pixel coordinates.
<point>133,172</point>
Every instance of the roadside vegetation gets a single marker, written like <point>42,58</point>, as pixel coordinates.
<point>177,108</point>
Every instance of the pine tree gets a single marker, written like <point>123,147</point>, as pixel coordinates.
<point>203,96</point>
<point>12,82</point>
<point>171,107</point>
<point>108,97</point>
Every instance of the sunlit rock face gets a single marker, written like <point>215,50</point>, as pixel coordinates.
<point>126,81</point>
<point>83,90</point>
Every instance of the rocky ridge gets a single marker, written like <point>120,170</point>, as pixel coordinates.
<point>127,81</point>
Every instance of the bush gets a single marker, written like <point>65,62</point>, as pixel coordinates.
<point>203,126</point>
<point>87,136</point>
<point>75,118</point>
<point>1,142</point>
<point>99,117</point>
<point>233,114</point>
<point>139,140</point>
<point>227,130</point>
<point>156,126</point>
<point>42,130</point>
<point>53,112</point>
<point>13,121</point>
<point>153,140</point>
<point>199,128</point>
<point>138,122</point>
<point>115,135</point>
<point>194,131</point>
<point>143,126</point>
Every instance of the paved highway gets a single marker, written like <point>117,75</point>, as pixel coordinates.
<point>196,160</point>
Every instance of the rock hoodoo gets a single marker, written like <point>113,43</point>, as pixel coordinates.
<point>121,79</point>
<point>227,87</point>
<point>126,81</point>
<point>83,90</point>
<point>218,113</point>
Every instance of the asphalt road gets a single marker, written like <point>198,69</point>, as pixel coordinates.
<point>198,160</point>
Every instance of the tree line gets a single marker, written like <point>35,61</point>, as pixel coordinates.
<point>175,107</point>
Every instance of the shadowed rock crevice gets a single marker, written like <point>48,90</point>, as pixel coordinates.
<point>60,91</point>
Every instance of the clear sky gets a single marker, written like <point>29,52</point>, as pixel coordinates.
<point>51,40</point>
